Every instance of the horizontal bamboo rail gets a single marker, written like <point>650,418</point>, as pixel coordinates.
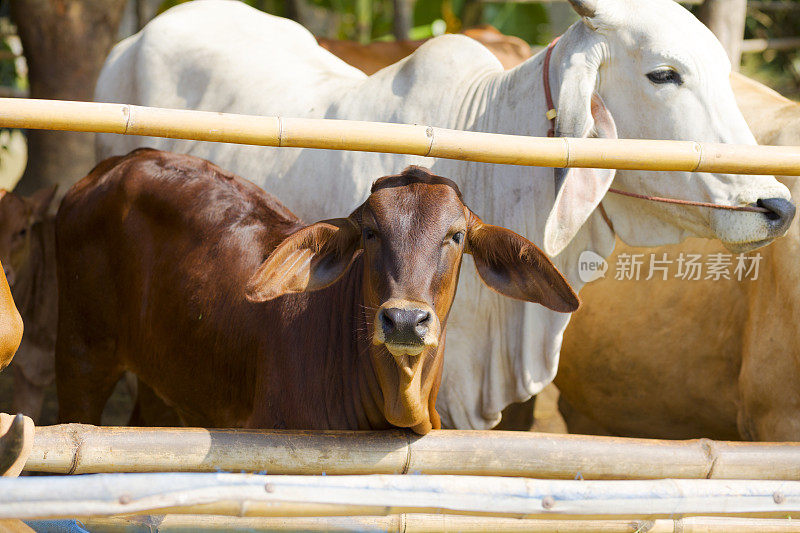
<point>418,523</point>
<point>34,497</point>
<point>79,449</point>
<point>750,46</point>
<point>398,138</point>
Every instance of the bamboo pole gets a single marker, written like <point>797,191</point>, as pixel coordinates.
<point>413,523</point>
<point>79,449</point>
<point>37,497</point>
<point>750,46</point>
<point>398,138</point>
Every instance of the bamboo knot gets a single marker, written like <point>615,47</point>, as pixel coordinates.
<point>708,447</point>
<point>76,432</point>
<point>548,502</point>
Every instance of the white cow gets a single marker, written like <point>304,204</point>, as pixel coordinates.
<point>640,69</point>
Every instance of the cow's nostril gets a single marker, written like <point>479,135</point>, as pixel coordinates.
<point>422,316</point>
<point>423,319</point>
<point>781,213</point>
<point>404,326</point>
<point>387,324</point>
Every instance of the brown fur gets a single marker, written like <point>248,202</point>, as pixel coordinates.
<point>237,314</point>
<point>370,58</point>
<point>27,249</point>
<point>10,325</point>
<point>684,359</point>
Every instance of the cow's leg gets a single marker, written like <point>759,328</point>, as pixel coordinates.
<point>518,416</point>
<point>151,411</point>
<point>86,373</point>
<point>28,396</point>
<point>578,422</point>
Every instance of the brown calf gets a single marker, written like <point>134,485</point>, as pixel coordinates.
<point>27,249</point>
<point>238,315</point>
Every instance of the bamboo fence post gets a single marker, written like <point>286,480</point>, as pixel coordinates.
<point>414,523</point>
<point>77,449</point>
<point>37,497</point>
<point>398,138</point>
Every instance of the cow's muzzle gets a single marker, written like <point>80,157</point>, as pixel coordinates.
<point>406,328</point>
<point>780,216</point>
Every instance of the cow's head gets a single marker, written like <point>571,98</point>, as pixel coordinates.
<point>411,232</point>
<point>650,70</point>
<point>18,215</point>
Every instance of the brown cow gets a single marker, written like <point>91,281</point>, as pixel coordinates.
<point>27,249</point>
<point>707,358</point>
<point>16,433</point>
<point>10,324</point>
<point>238,315</point>
<point>370,58</point>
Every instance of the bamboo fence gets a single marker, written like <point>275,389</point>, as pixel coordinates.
<point>414,523</point>
<point>36,497</point>
<point>427,141</point>
<point>80,449</point>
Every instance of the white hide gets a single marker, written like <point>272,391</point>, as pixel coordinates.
<point>217,55</point>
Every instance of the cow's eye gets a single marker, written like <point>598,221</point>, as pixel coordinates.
<point>22,232</point>
<point>458,237</point>
<point>665,75</point>
<point>369,234</point>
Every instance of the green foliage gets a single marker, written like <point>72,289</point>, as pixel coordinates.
<point>779,69</point>
<point>528,21</point>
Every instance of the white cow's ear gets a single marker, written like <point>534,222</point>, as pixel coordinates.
<point>581,113</point>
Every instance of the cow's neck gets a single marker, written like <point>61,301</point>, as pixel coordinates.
<point>35,289</point>
<point>522,357</point>
<point>360,397</point>
<point>513,102</point>
<point>351,390</point>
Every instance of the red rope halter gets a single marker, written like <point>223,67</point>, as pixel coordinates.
<point>551,116</point>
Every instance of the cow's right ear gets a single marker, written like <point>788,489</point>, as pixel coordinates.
<point>40,201</point>
<point>307,260</point>
<point>517,268</point>
<point>581,113</point>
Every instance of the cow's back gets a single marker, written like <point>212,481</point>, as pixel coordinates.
<point>152,240</point>
<point>259,64</point>
<point>773,118</point>
<point>217,55</point>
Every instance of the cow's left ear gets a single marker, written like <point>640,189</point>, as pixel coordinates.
<point>40,201</point>
<point>517,268</point>
<point>581,113</point>
<point>307,260</point>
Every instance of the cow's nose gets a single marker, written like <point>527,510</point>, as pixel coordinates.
<point>404,326</point>
<point>781,213</point>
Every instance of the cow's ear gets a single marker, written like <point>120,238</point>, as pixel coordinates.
<point>581,113</point>
<point>307,260</point>
<point>40,201</point>
<point>517,268</point>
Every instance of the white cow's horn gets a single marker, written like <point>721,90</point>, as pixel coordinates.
<point>584,8</point>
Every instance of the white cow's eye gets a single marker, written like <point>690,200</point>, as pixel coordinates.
<point>665,75</point>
